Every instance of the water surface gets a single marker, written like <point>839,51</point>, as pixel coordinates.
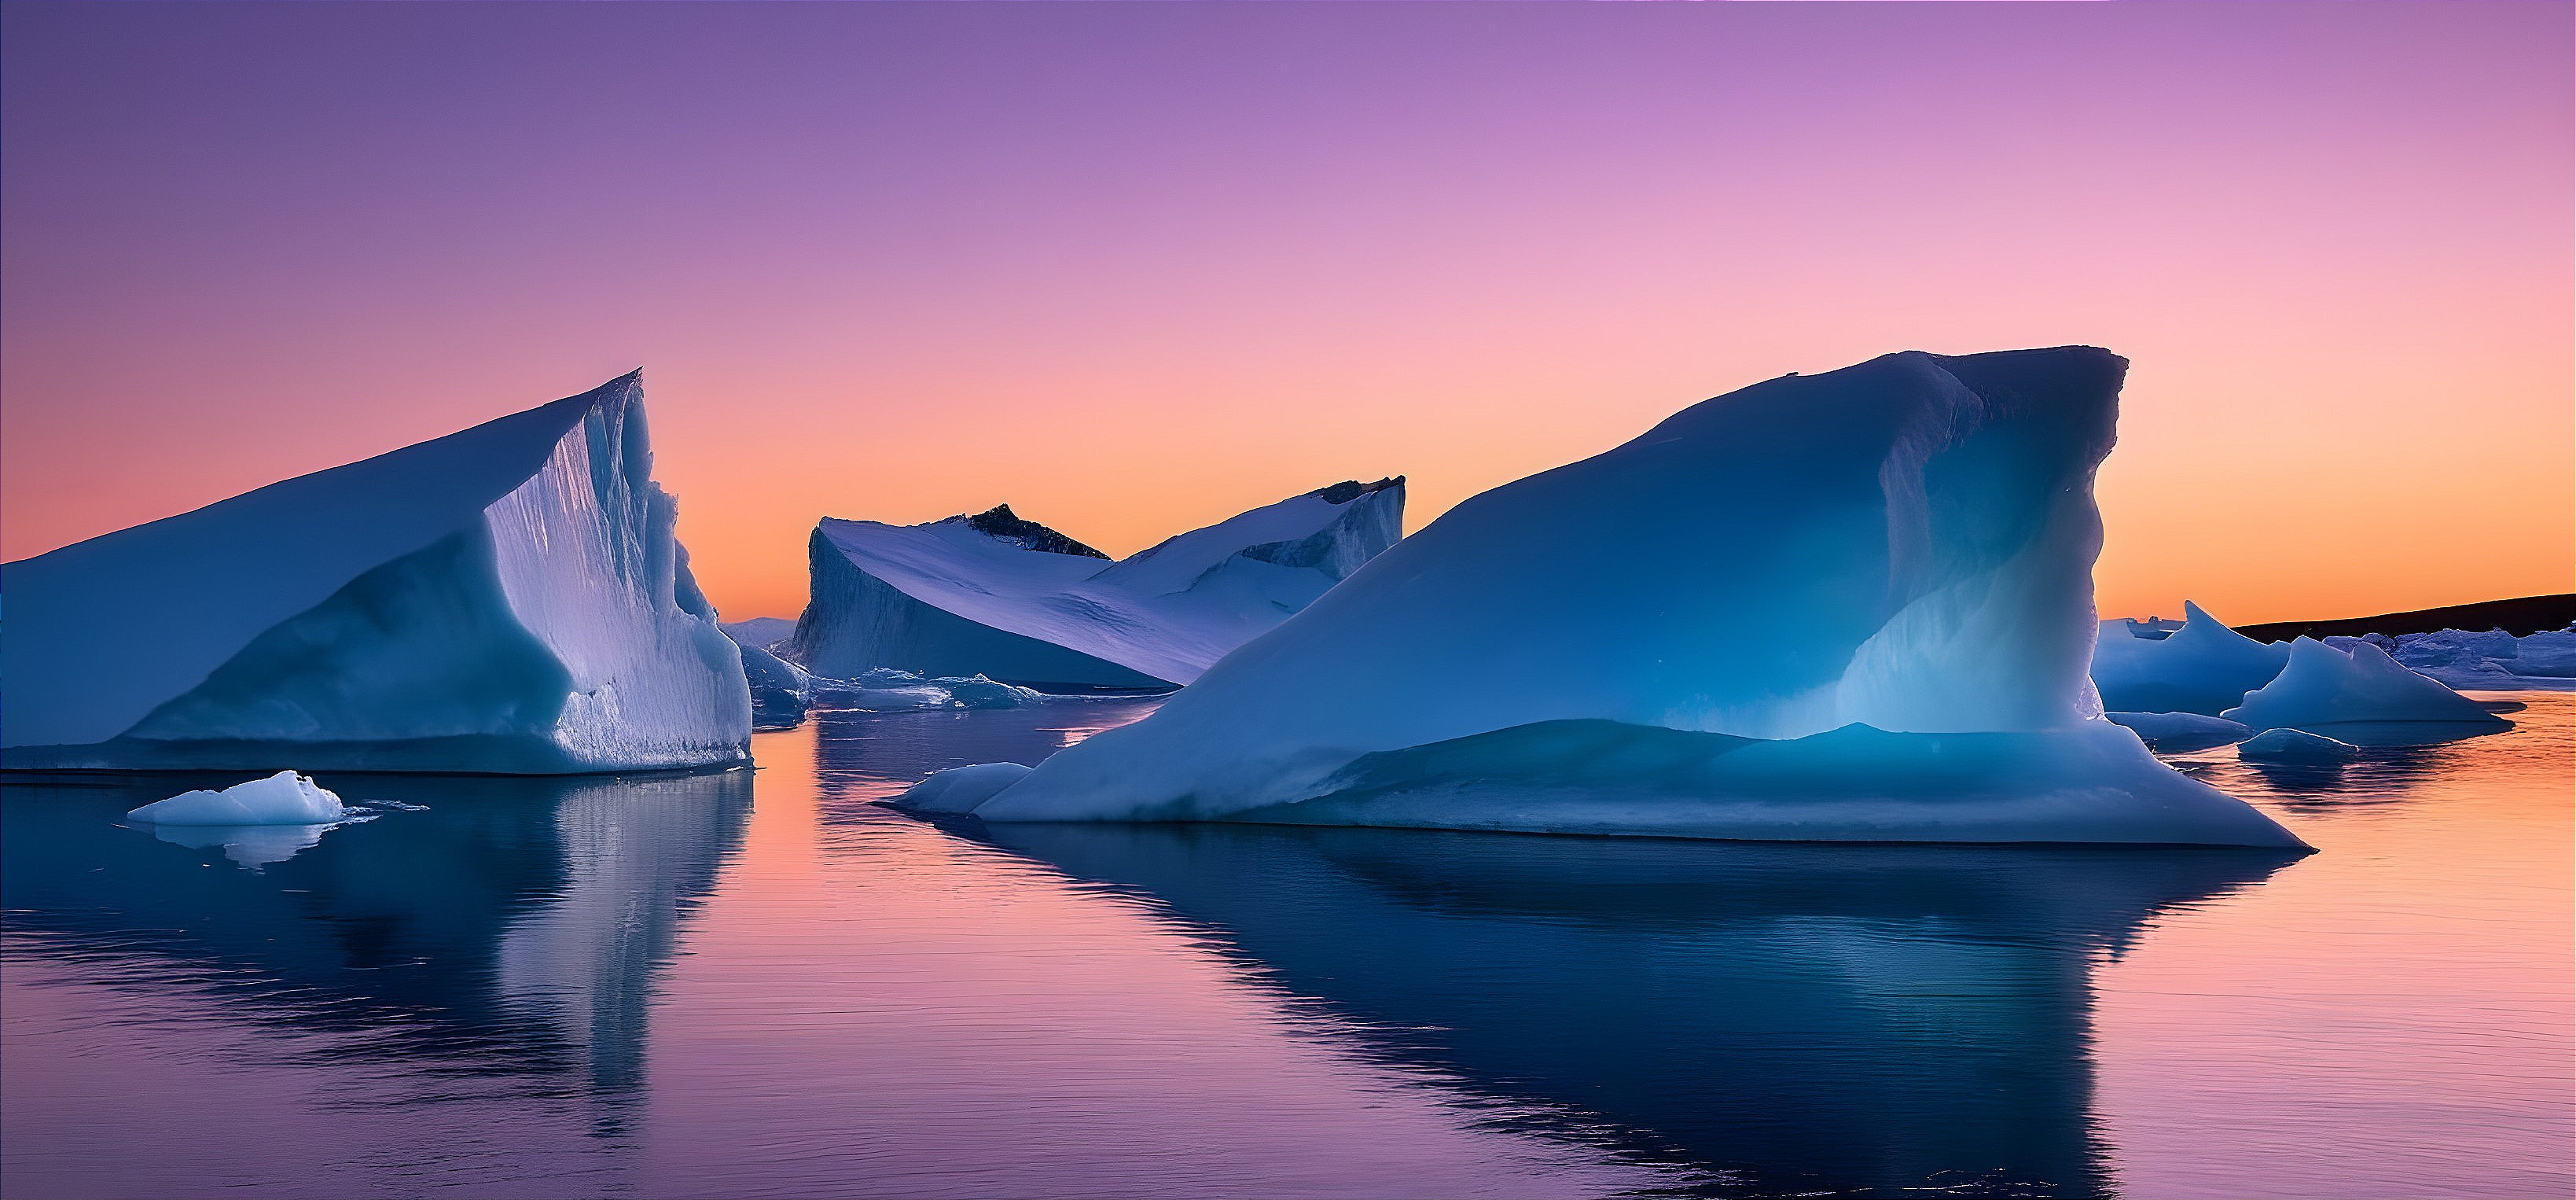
<point>763,983</point>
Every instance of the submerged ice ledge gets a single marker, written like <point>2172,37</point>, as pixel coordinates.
<point>1854,606</point>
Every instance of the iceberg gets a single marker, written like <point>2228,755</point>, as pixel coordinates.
<point>507,599</point>
<point>2324,686</point>
<point>760,632</point>
<point>2180,731</point>
<point>2202,667</point>
<point>1851,606</point>
<point>285,798</point>
<point>779,689</point>
<point>996,595</point>
<point>2291,747</point>
<point>2492,660</point>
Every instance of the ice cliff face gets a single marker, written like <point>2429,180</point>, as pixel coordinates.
<point>998,595</point>
<point>1846,606</point>
<point>509,599</point>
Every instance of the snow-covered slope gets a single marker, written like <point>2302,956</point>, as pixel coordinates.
<point>2204,667</point>
<point>1847,606</point>
<point>509,598</point>
<point>996,595</point>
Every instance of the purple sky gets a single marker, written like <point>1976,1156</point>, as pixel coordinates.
<point>1134,268</point>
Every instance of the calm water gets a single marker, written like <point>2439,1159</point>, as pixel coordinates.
<point>761,983</point>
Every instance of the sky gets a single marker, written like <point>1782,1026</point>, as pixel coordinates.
<point>1135,268</point>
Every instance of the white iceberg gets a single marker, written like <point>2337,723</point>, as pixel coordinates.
<point>509,599</point>
<point>2324,686</point>
<point>1007,598</point>
<point>285,798</point>
<point>2176,731</point>
<point>2202,667</point>
<point>1853,606</point>
<point>2292,747</point>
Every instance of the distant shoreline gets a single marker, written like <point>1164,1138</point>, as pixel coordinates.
<point>2521,617</point>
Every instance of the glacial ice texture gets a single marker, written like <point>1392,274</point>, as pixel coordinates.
<point>1853,606</point>
<point>510,598</point>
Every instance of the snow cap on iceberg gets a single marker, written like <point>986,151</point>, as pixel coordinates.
<point>1844,606</point>
<point>2203,667</point>
<point>509,598</point>
<point>998,595</point>
<point>2324,686</point>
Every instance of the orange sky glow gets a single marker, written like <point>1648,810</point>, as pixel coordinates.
<point>1135,269</point>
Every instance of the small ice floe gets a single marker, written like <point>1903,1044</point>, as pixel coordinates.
<point>285,798</point>
<point>2295,748</point>
<point>257,823</point>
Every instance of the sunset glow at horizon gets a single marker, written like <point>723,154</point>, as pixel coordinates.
<point>1134,269</point>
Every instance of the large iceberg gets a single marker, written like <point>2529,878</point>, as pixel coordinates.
<point>505,599</point>
<point>996,595</point>
<point>2203,667</point>
<point>2327,687</point>
<point>1852,606</point>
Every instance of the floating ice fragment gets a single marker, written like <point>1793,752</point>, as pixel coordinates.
<point>285,798</point>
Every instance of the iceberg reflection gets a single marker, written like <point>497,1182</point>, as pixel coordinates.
<point>515,925</point>
<point>1852,1020</point>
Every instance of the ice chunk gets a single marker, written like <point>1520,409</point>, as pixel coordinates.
<point>2181,731</point>
<point>1672,637</point>
<point>509,598</point>
<point>1008,598</point>
<point>960,789</point>
<point>975,691</point>
<point>2326,686</point>
<point>2292,747</point>
<point>2203,667</point>
<point>285,798</point>
<point>778,689</point>
<point>887,690</point>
